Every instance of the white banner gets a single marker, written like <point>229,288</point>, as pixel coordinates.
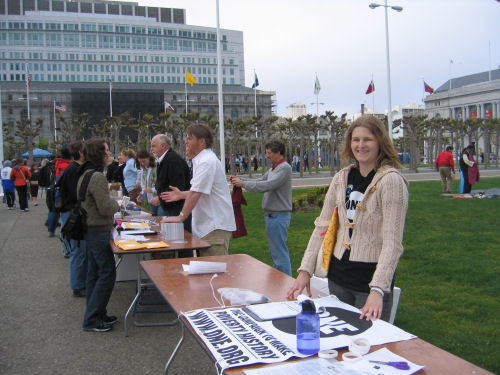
<point>236,339</point>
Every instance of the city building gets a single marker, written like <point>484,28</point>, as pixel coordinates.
<point>472,96</point>
<point>75,52</point>
<point>295,110</point>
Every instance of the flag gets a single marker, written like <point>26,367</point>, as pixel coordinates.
<point>371,88</point>
<point>256,82</point>
<point>168,107</point>
<point>111,84</point>
<point>28,79</point>
<point>317,86</point>
<point>190,78</point>
<point>427,88</point>
<point>60,107</point>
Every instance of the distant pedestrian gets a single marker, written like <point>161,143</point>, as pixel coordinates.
<point>21,175</point>
<point>8,185</point>
<point>467,162</point>
<point>276,184</point>
<point>35,174</point>
<point>445,165</point>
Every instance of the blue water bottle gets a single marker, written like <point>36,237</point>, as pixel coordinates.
<point>308,329</point>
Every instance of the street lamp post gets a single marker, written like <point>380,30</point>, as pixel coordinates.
<point>398,9</point>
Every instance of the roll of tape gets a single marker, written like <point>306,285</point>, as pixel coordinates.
<point>361,346</point>
<point>351,356</point>
<point>328,354</point>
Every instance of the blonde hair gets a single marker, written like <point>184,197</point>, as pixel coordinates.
<point>387,153</point>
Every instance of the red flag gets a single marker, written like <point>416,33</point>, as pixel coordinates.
<point>427,88</point>
<point>371,88</point>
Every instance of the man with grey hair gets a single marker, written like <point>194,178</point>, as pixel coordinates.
<point>171,170</point>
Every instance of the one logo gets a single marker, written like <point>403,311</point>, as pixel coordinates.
<point>333,322</point>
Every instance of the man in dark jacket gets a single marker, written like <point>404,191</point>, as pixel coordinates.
<point>171,170</point>
<point>75,249</point>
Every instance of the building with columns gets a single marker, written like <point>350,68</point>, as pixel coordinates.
<point>473,96</point>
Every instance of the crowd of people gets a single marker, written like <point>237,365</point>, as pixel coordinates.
<point>367,200</point>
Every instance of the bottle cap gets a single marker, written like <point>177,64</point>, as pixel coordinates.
<point>308,306</point>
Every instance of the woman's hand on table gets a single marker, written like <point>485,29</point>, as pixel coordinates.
<point>373,306</point>
<point>302,281</point>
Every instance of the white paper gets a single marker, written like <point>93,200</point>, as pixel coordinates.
<point>232,331</point>
<point>327,367</point>
<point>136,237</point>
<point>275,310</point>
<point>197,267</point>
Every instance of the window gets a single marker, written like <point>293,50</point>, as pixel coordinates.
<point>154,43</point>
<point>200,46</point>
<point>53,40</point>
<point>122,29</point>
<point>89,41</point>
<point>35,39</point>
<point>170,45</point>
<point>154,31</point>
<point>122,42</point>
<point>186,45</point>
<point>88,27</point>
<point>138,30</point>
<point>35,26</point>
<point>105,28</point>
<point>70,27</point>
<point>105,41</point>
<point>52,26</point>
<point>71,40</point>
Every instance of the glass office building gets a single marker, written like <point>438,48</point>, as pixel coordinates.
<point>72,50</point>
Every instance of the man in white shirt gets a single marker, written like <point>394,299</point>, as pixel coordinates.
<point>208,199</point>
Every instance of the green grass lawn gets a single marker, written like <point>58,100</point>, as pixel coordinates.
<point>449,273</point>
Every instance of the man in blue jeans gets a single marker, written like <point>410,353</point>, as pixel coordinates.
<point>75,249</point>
<point>276,184</point>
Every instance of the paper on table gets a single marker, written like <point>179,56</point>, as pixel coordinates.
<point>326,367</point>
<point>134,225</point>
<point>275,310</point>
<point>136,237</point>
<point>156,245</point>
<point>198,267</point>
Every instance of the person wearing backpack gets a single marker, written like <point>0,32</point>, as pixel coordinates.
<point>8,185</point>
<point>76,248</point>
<point>61,164</point>
<point>100,209</point>
<point>21,175</point>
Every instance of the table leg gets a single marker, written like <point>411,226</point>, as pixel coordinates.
<point>139,289</point>
<point>177,347</point>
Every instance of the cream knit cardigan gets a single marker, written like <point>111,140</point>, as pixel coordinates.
<point>377,227</point>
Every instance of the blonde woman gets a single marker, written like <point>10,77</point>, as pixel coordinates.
<point>371,196</point>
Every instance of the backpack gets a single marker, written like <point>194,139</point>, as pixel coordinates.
<point>54,198</point>
<point>76,225</point>
<point>45,179</point>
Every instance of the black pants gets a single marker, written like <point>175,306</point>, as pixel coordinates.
<point>22,193</point>
<point>10,197</point>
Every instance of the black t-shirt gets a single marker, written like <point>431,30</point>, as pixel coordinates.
<point>353,275</point>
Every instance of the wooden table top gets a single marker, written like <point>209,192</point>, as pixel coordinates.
<point>190,242</point>
<point>190,292</point>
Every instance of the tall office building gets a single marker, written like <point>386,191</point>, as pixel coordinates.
<point>73,51</point>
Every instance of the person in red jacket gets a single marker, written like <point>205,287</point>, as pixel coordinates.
<point>21,175</point>
<point>444,165</point>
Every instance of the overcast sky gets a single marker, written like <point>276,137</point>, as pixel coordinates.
<point>288,41</point>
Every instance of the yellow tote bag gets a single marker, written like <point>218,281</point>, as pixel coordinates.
<point>329,240</point>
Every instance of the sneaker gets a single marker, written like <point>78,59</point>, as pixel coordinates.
<point>103,327</point>
<point>109,320</point>
<point>51,235</point>
<point>26,209</point>
<point>79,292</point>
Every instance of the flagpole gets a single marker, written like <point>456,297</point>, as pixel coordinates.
<point>373,98</point>
<point>186,91</point>
<point>110,98</point>
<point>55,125</point>
<point>28,91</point>
<point>255,93</point>
<point>219,90</point>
